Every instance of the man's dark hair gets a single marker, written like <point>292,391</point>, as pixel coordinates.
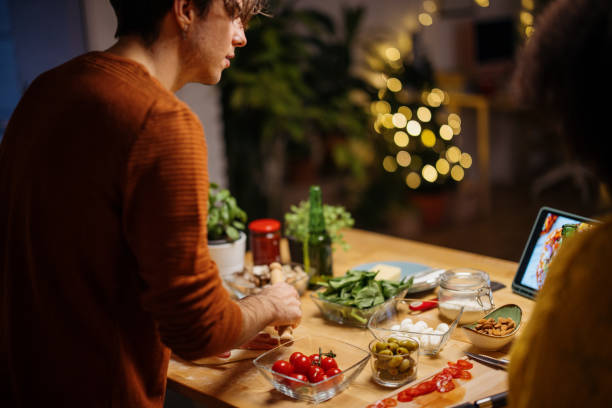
<point>143,17</point>
<point>564,72</point>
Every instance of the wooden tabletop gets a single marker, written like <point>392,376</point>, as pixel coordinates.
<point>239,383</point>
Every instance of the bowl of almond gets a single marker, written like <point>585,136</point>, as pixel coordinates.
<point>496,329</point>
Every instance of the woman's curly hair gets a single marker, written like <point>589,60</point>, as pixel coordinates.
<point>565,72</point>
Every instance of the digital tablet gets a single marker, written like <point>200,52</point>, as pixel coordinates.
<point>549,230</point>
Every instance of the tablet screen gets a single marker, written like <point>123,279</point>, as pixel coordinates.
<point>551,228</point>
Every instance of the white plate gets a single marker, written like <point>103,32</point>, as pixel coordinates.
<point>410,269</point>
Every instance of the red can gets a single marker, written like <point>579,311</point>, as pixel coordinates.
<point>265,235</point>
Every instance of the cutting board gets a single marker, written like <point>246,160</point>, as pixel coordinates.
<point>485,381</point>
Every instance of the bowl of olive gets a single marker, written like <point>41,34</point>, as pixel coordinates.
<point>394,360</point>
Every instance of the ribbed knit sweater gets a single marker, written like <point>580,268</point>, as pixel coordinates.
<point>104,263</point>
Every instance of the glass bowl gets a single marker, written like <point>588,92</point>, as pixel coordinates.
<point>349,315</point>
<point>351,360</point>
<point>397,365</point>
<point>409,318</point>
<point>244,283</point>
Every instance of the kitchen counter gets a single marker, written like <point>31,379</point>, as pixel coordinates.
<point>240,384</point>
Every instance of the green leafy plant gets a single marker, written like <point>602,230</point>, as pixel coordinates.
<point>336,218</point>
<point>225,218</point>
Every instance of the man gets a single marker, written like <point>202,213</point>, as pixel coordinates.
<point>103,206</point>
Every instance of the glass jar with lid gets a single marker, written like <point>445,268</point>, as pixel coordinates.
<point>465,287</point>
<point>264,237</point>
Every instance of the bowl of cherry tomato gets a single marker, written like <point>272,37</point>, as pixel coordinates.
<point>312,368</point>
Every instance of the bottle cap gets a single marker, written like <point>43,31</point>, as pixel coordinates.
<point>264,225</point>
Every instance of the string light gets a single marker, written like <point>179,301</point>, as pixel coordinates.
<point>394,84</point>
<point>413,127</point>
<point>413,180</point>
<point>424,114</point>
<point>465,161</point>
<point>401,139</point>
<point>457,173</point>
<point>425,19</point>
<point>453,154</point>
<point>446,132</point>
<point>403,158</point>
<point>387,121</point>
<point>399,120</point>
<point>430,6</point>
<point>429,173</point>
<point>482,3</point>
<point>442,166</point>
<point>428,138</point>
<point>392,54</point>
<point>404,110</point>
<point>389,164</point>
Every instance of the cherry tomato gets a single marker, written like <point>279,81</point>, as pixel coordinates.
<point>404,396</point>
<point>295,384</point>
<point>333,372</point>
<point>314,359</point>
<point>301,365</point>
<point>295,356</point>
<point>328,363</point>
<point>314,372</point>
<point>389,402</point>
<point>464,364</point>
<point>283,367</point>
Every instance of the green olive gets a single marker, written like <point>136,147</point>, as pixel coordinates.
<point>406,364</point>
<point>392,346</point>
<point>380,346</point>
<point>395,361</point>
<point>401,350</point>
<point>385,355</point>
<point>410,344</point>
<point>393,371</point>
<point>392,340</point>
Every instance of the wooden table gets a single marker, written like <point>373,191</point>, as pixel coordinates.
<point>239,383</point>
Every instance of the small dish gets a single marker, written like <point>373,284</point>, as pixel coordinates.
<point>397,365</point>
<point>492,342</point>
<point>349,315</point>
<point>242,283</point>
<point>430,329</point>
<point>351,360</point>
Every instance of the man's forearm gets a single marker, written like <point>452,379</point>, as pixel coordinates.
<point>257,313</point>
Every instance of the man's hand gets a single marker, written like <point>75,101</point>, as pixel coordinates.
<point>285,302</point>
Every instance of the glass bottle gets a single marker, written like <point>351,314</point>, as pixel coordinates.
<point>318,259</point>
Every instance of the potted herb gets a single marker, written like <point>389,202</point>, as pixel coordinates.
<point>296,227</point>
<point>225,225</point>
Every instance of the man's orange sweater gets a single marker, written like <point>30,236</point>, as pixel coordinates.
<point>103,253</point>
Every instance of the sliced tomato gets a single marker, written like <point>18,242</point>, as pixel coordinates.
<point>405,396</point>
<point>454,371</point>
<point>445,386</point>
<point>442,376</point>
<point>378,404</point>
<point>426,387</point>
<point>465,375</point>
<point>389,402</point>
<point>464,364</point>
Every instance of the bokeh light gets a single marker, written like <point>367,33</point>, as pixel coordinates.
<point>429,173</point>
<point>482,3</point>
<point>425,19</point>
<point>457,173</point>
<point>526,18</point>
<point>404,110</point>
<point>527,4</point>
<point>394,84</point>
<point>392,54</point>
<point>446,132</point>
<point>442,166</point>
<point>389,164</point>
<point>401,138</point>
<point>413,127</point>
<point>430,6</point>
<point>424,114</point>
<point>428,138</point>
<point>454,120</point>
<point>387,121</point>
<point>403,158</point>
<point>465,161</point>
<point>399,120</point>
<point>413,180</point>
<point>381,107</point>
<point>435,97</point>
<point>453,154</point>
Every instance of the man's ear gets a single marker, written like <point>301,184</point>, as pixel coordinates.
<point>184,13</point>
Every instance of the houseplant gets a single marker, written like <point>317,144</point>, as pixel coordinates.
<point>225,225</point>
<point>296,227</point>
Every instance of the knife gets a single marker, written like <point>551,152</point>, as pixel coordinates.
<point>492,401</point>
<point>496,362</point>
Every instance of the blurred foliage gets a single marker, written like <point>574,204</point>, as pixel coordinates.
<point>290,87</point>
<point>225,219</point>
